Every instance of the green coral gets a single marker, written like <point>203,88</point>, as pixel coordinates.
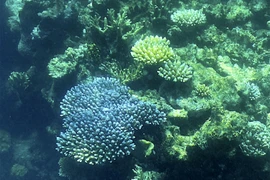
<point>113,22</point>
<point>60,66</point>
<point>176,71</point>
<point>140,174</point>
<point>176,145</point>
<point>131,73</point>
<point>256,140</point>
<point>222,125</point>
<point>152,50</point>
<point>202,90</point>
<point>145,146</point>
<point>237,11</point>
<point>66,63</point>
<point>18,81</point>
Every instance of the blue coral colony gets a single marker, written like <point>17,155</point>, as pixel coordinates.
<point>100,119</point>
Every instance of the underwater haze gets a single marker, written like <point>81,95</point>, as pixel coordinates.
<point>134,90</point>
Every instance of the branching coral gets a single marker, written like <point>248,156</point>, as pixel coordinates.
<point>152,50</point>
<point>256,142</point>
<point>176,71</point>
<point>188,17</point>
<point>66,63</point>
<point>100,119</point>
<point>131,73</point>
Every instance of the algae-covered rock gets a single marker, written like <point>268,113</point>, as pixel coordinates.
<point>223,125</point>
<point>144,148</point>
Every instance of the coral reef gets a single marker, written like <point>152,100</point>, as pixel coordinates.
<point>152,50</point>
<point>131,73</point>
<point>188,18</point>
<point>66,63</point>
<point>175,71</point>
<point>100,119</point>
<point>201,65</point>
<point>140,174</point>
<point>256,141</point>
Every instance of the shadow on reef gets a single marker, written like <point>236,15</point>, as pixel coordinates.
<point>218,161</point>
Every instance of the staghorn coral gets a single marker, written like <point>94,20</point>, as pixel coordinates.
<point>100,119</point>
<point>125,75</point>
<point>152,50</point>
<point>176,71</point>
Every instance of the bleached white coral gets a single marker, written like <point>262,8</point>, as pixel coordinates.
<point>188,17</point>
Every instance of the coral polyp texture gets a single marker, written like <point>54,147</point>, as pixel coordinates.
<point>176,71</point>
<point>256,142</point>
<point>152,50</point>
<point>64,64</point>
<point>100,119</point>
<point>188,17</point>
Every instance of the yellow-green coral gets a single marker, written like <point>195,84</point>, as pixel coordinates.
<point>141,174</point>
<point>146,146</point>
<point>237,11</point>
<point>225,124</point>
<point>125,75</point>
<point>176,144</point>
<point>176,71</point>
<point>59,67</point>
<point>202,90</point>
<point>152,50</point>
<point>222,125</point>
<point>178,113</point>
<point>18,81</point>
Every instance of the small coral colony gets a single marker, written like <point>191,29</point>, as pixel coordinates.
<point>155,82</point>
